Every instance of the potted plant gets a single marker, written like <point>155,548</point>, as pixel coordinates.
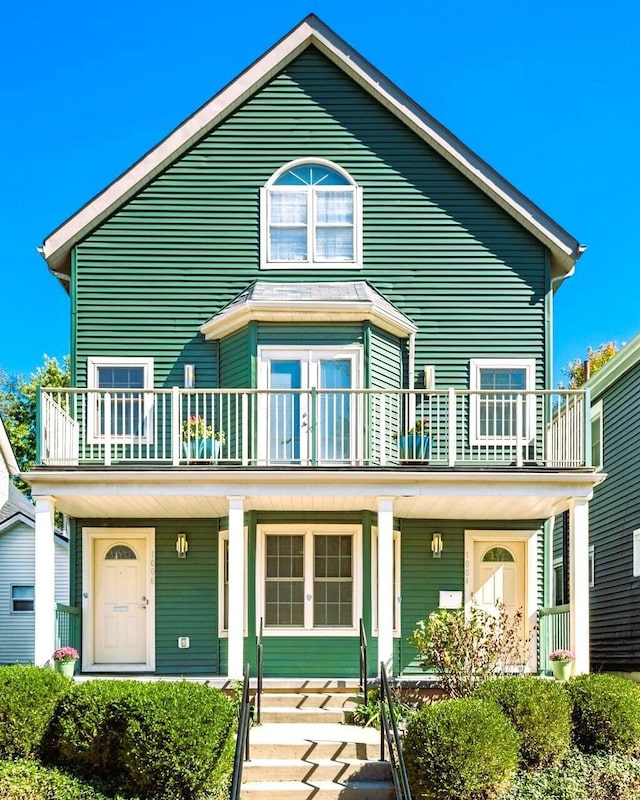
<point>562,664</point>
<point>199,440</point>
<point>64,660</point>
<point>414,445</point>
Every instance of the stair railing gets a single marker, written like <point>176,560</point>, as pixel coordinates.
<point>389,735</point>
<point>364,682</point>
<point>242,738</point>
<point>260,666</point>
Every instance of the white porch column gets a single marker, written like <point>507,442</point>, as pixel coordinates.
<point>579,583</point>
<point>44,583</point>
<point>385,582</point>
<point>235,667</point>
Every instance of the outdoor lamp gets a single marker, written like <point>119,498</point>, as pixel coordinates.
<point>182,545</point>
<point>189,376</point>
<point>437,545</point>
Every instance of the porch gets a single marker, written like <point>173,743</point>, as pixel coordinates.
<point>253,428</point>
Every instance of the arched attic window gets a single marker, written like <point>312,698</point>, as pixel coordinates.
<point>311,214</point>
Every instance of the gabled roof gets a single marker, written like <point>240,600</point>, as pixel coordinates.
<point>613,370</point>
<point>6,451</point>
<point>340,301</point>
<point>565,250</point>
<point>17,505</point>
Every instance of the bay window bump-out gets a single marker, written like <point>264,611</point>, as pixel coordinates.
<point>311,214</point>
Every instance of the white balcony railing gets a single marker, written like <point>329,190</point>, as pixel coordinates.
<point>331,427</point>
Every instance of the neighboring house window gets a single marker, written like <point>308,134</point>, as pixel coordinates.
<point>558,583</point>
<point>22,598</point>
<point>496,385</point>
<point>310,214</point>
<point>592,566</point>
<point>127,416</point>
<point>596,435</point>
<point>310,580</point>
<point>636,553</point>
<point>396,581</point>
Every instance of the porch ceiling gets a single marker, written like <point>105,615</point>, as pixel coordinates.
<point>182,493</point>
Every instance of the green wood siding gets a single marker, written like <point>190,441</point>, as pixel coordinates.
<point>186,592</point>
<point>470,277</point>
<point>614,515</point>
<point>235,360</point>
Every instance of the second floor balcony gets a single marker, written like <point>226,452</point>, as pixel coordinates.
<point>248,428</point>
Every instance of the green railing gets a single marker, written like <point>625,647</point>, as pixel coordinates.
<point>553,634</point>
<point>67,626</point>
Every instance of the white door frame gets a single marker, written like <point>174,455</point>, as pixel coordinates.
<point>89,537</point>
<point>496,536</point>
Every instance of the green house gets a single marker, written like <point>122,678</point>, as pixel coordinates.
<point>312,338</point>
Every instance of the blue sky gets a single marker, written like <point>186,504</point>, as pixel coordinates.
<point>547,92</point>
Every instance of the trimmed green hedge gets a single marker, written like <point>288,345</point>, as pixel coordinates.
<point>166,741</point>
<point>462,749</point>
<point>606,714</point>
<point>28,780</point>
<point>28,699</point>
<point>539,710</point>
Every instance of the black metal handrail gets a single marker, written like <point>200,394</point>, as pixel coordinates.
<point>389,734</point>
<point>364,682</point>
<point>242,738</point>
<point>260,667</point>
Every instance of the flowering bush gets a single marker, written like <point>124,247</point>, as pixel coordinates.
<point>66,654</point>
<point>196,428</point>
<point>562,655</point>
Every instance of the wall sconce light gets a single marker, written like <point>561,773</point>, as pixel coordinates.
<point>437,545</point>
<point>189,376</point>
<point>182,545</point>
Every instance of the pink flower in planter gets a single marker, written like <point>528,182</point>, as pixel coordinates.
<point>66,654</point>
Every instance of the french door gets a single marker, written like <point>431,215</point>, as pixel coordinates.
<point>309,413</point>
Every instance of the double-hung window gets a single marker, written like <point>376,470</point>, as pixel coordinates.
<point>22,598</point>
<point>310,215</point>
<point>499,399</point>
<point>120,409</point>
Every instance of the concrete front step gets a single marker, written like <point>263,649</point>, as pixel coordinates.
<point>316,769</point>
<point>318,790</point>
<point>312,716</point>
<point>310,700</point>
<point>304,741</point>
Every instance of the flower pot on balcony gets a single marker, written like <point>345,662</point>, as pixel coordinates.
<point>190,450</point>
<point>209,449</point>
<point>414,447</point>
<point>562,670</point>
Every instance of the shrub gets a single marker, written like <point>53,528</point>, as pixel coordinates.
<point>28,698</point>
<point>161,740</point>
<point>460,750</point>
<point>368,714</point>
<point>466,648</point>
<point>606,714</point>
<point>27,780</point>
<point>541,713</point>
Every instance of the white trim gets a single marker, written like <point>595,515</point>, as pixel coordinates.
<point>308,530</point>
<point>6,451</point>
<point>44,579</point>
<point>223,536</point>
<point>530,538</point>
<point>597,413</point>
<point>636,553</point>
<point>592,566</point>
<point>476,366</point>
<point>89,537</point>
<point>93,365</point>
<point>565,250</point>
<point>311,262</point>
<point>397,609</point>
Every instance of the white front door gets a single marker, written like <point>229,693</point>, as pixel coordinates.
<point>121,600</point>
<point>309,415</point>
<point>499,576</point>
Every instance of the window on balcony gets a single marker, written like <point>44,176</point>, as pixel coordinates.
<point>597,458</point>
<point>310,579</point>
<point>310,213</point>
<point>498,389</point>
<point>120,411</point>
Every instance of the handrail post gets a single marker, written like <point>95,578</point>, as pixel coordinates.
<point>175,426</point>
<point>520,437</point>
<point>260,668</point>
<point>452,427</point>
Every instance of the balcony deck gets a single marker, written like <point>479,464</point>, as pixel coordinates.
<point>253,428</point>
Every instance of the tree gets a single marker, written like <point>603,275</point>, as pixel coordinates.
<point>18,397</point>
<point>580,371</point>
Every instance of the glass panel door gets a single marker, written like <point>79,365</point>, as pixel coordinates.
<point>334,410</point>
<point>284,412</point>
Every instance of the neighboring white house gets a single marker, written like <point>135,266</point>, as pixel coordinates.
<point>17,565</point>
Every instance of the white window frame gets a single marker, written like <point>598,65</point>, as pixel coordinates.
<point>397,586</point>
<point>476,366</point>
<point>223,537</point>
<point>12,599</point>
<point>592,566</point>
<point>266,262</point>
<point>598,415</point>
<point>94,363</point>
<point>308,530</point>
<point>557,564</point>
<point>636,553</point>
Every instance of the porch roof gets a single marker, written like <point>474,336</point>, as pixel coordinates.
<point>339,301</point>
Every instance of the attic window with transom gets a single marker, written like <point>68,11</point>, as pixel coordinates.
<point>311,214</point>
